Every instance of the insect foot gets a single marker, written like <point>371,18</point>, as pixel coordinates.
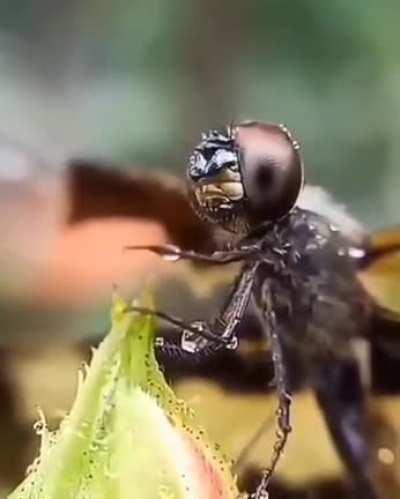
<point>192,342</point>
<point>199,336</point>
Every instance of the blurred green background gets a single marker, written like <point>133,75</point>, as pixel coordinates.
<point>138,80</point>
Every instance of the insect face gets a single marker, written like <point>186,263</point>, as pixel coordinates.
<point>215,182</point>
<point>249,175</point>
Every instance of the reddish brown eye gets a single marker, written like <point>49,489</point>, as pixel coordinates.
<point>271,168</point>
<point>265,176</point>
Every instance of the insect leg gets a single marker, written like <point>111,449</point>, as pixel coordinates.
<point>201,335</point>
<point>193,327</point>
<point>242,458</point>
<point>284,396</point>
<point>225,325</point>
<point>172,347</point>
<point>341,397</point>
<point>173,253</point>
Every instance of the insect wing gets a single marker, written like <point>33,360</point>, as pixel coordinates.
<point>96,191</point>
<point>379,253</point>
<point>315,198</point>
<point>99,192</point>
<point>380,271</point>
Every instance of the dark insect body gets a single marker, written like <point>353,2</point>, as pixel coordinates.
<point>311,283</point>
<point>299,270</point>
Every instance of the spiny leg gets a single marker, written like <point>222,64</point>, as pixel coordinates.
<point>341,397</point>
<point>244,453</point>
<point>284,397</point>
<point>200,335</point>
<point>200,329</point>
<point>173,253</point>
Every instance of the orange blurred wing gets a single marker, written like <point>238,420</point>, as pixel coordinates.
<point>380,270</point>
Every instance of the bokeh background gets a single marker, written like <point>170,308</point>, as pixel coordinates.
<point>139,80</point>
<point>132,84</point>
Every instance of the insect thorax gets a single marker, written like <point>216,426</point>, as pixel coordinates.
<point>317,299</point>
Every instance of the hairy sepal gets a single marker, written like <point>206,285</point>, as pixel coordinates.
<point>127,435</point>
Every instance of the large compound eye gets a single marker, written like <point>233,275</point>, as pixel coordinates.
<point>271,168</point>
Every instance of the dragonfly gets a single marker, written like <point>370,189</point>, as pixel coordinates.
<point>329,281</point>
<point>313,282</point>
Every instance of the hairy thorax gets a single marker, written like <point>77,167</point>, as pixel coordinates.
<point>310,280</point>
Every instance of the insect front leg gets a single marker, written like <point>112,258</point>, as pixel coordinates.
<point>174,253</point>
<point>206,341</point>
<point>199,336</point>
<point>225,325</point>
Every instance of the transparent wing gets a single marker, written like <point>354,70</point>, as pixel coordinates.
<point>315,198</point>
